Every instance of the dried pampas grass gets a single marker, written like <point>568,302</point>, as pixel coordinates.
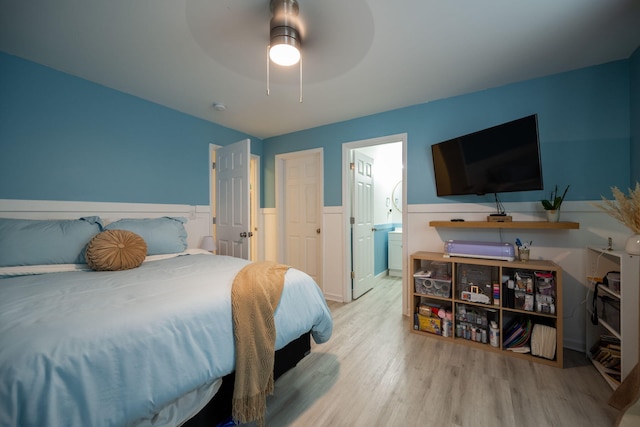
<point>625,209</point>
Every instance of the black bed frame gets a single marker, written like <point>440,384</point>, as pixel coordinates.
<point>219,408</point>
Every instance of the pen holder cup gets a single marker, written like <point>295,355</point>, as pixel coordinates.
<point>523,254</point>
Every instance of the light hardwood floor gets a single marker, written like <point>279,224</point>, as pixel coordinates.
<point>374,372</point>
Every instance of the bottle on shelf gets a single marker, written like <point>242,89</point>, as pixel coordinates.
<point>494,334</point>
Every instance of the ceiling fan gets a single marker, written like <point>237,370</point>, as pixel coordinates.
<point>285,42</point>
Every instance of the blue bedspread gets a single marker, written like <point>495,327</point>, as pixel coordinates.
<point>113,348</point>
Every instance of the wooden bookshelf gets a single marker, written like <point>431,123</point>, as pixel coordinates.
<point>448,273</point>
<point>539,225</point>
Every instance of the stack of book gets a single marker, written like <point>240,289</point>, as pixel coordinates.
<point>607,352</point>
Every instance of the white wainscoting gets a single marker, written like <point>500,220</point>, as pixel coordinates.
<point>565,247</point>
<point>197,226</point>
<point>269,236</point>
<point>333,270</point>
<point>332,254</point>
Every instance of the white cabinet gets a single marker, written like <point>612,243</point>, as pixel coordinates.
<point>395,253</point>
<point>612,317</point>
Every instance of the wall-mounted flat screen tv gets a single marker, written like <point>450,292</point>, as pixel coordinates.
<point>499,159</point>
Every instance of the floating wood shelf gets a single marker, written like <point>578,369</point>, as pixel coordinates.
<point>541,225</point>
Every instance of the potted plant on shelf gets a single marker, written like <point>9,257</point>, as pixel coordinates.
<point>552,206</point>
<point>626,209</point>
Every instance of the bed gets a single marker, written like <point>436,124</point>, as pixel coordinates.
<point>145,346</point>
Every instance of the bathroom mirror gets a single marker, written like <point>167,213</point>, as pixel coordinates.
<point>396,196</point>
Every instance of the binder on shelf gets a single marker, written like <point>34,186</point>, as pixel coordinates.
<point>518,334</point>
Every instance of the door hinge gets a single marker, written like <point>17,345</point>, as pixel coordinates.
<point>352,220</point>
<point>213,219</point>
<point>352,166</point>
<point>213,165</point>
<point>353,275</point>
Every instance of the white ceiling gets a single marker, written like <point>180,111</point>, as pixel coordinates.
<point>359,56</point>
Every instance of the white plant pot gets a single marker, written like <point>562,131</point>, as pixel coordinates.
<point>553,215</point>
<point>633,245</point>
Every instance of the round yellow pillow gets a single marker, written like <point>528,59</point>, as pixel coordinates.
<point>114,250</point>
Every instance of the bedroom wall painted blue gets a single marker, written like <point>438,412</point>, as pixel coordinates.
<point>65,138</point>
<point>635,117</point>
<point>584,134</point>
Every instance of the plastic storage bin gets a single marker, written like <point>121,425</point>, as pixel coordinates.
<point>545,288</point>
<point>472,323</point>
<point>425,284</point>
<point>475,283</point>
<point>523,300</point>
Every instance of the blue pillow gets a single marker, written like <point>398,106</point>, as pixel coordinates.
<point>164,235</point>
<point>37,242</point>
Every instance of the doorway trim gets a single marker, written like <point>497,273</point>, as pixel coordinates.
<point>346,207</point>
<point>257,247</point>
<point>212,187</point>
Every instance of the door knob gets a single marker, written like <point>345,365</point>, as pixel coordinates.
<point>243,234</point>
<point>250,234</point>
<point>317,231</point>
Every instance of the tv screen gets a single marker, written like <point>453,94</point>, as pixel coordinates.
<point>499,159</point>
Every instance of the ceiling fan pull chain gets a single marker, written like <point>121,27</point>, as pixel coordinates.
<point>268,47</point>
<point>301,78</point>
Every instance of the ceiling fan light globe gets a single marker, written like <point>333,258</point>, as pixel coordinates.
<point>284,54</point>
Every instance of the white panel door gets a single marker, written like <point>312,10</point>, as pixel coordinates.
<point>232,200</point>
<point>302,214</point>
<point>362,229</point>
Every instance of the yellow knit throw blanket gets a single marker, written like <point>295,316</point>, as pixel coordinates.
<point>255,294</point>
